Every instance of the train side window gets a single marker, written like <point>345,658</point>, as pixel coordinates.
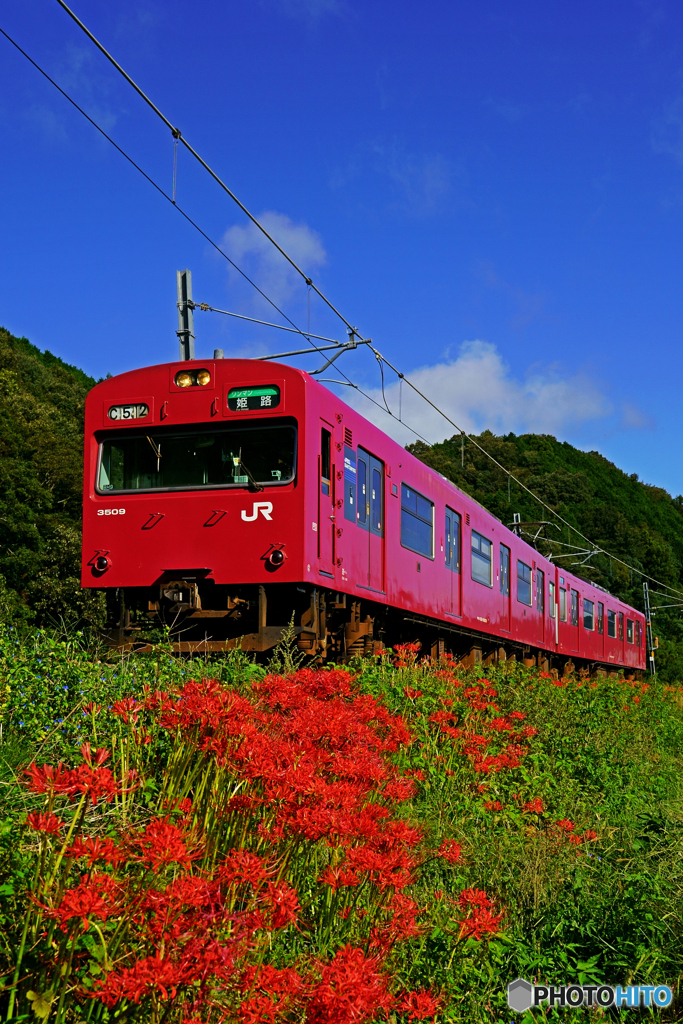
<point>540,591</point>
<point>417,522</point>
<point>575,608</point>
<point>563,604</point>
<point>551,599</point>
<point>504,570</point>
<point>452,540</point>
<point>362,492</point>
<point>349,484</point>
<point>601,617</point>
<point>588,614</point>
<point>523,582</point>
<point>621,625</point>
<point>611,623</point>
<point>325,460</point>
<point>376,501</point>
<point>629,631</point>
<point>482,568</point>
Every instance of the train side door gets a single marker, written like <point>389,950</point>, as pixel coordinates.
<point>505,559</point>
<point>371,515</point>
<point>452,549</point>
<point>326,510</point>
<point>540,604</point>
<point>574,619</point>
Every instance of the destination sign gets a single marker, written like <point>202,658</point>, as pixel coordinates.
<point>128,412</point>
<point>248,399</point>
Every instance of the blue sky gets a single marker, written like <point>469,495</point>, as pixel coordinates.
<point>493,192</point>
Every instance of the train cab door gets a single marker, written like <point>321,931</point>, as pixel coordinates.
<point>540,604</point>
<point>504,585</point>
<point>452,549</point>
<point>371,515</point>
<point>326,509</point>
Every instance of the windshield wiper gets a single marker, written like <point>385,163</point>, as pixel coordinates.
<point>157,451</point>
<point>254,485</point>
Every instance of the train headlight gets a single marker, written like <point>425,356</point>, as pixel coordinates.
<point>203,378</point>
<point>183,379</point>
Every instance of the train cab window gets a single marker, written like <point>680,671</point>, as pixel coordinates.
<point>504,570</point>
<point>325,460</point>
<point>226,456</point>
<point>417,522</point>
<point>575,608</point>
<point>588,614</point>
<point>563,605</point>
<point>611,623</point>
<point>551,599</point>
<point>482,567</point>
<point>601,617</point>
<point>621,625</point>
<point>629,631</point>
<point>350,474</point>
<point>452,540</point>
<point>523,582</point>
<point>540,591</point>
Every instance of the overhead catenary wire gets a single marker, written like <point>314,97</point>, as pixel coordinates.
<point>177,135</point>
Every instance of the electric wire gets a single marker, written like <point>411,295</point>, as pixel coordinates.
<point>177,135</point>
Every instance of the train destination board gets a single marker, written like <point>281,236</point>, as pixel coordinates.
<point>248,399</point>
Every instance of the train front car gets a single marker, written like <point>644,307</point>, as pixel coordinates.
<point>193,504</point>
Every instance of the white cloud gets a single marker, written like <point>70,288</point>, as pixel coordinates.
<point>259,258</point>
<point>478,392</point>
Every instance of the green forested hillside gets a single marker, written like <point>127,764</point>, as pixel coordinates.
<point>41,468</point>
<point>639,523</point>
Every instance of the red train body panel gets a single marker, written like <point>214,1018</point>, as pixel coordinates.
<point>352,520</point>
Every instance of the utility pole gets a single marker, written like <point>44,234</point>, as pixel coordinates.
<point>185,305</point>
<point>648,631</point>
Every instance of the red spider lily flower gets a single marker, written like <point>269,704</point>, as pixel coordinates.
<point>44,822</point>
<point>164,843</point>
<point>92,708</point>
<point>500,725</point>
<point>534,806</point>
<point>243,866</point>
<point>99,896</point>
<point>636,700</point>
<point>49,779</point>
<point>411,693</point>
<point>99,783</point>
<point>493,805</point>
<point>420,1005</point>
<point>260,1009</point>
<point>128,709</point>
<point>96,849</point>
<point>352,990</point>
<point>101,754</point>
<point>450,851</point>
<point>475,898</point>
<point>284,903</point>
<point>400,790</point>
<point>480,923</point>
<point>566,825</point>
<point>589,835</point>
<point>576,840</point>
<point>518,714</point>
<point>152,974</point>
<point>344,913</point>
<point>438,894</point>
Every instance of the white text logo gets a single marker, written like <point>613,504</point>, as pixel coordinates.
<point>264,507</point>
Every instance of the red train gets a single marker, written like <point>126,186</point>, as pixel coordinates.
<point>223,496</point>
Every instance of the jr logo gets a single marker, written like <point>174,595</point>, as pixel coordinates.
<point>264,507</point>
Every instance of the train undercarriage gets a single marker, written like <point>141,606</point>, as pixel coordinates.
<point>199,616</point>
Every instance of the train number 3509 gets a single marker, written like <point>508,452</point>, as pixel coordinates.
<point>111,511</point>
